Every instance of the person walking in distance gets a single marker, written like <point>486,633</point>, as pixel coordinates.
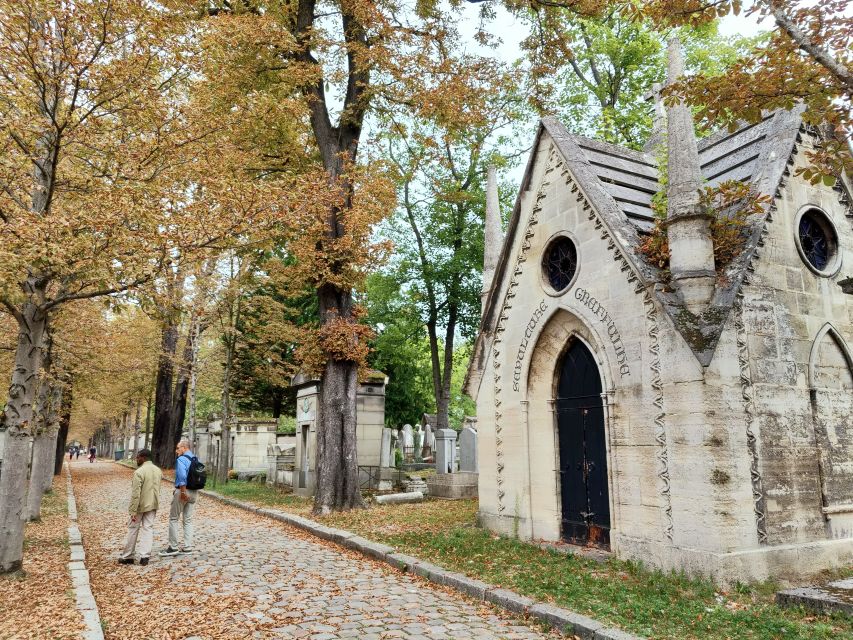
<point>144,501</point>
<point>92,453</point>
<point>189,478</point>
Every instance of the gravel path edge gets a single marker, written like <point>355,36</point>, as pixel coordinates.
<point>83,596</point>
<point>564,620</point>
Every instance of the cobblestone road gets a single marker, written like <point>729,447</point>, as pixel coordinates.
<point>256,578</point>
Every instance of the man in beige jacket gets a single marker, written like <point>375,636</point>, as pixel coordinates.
<point>144,500</point>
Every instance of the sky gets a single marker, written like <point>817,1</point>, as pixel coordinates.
<point>512,32</point>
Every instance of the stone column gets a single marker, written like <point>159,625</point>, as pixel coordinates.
<point>445,451</point>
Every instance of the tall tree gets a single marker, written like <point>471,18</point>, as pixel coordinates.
<point>381,58</point>
<point>439,240</point>
<point>66,71</point>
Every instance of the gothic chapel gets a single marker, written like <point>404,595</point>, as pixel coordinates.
<point>700,419</point>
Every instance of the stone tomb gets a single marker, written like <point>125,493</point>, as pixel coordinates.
<point>697,419</point>
<point>370,419</point>
<point>250,441</point>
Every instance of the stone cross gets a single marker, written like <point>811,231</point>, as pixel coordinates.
<point>468,450</point>
<point>445,451</point>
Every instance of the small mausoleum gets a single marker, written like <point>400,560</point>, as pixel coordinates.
<point>370,422</point>
<point>699,418</point>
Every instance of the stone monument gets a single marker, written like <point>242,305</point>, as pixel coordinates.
<point>468,449</point>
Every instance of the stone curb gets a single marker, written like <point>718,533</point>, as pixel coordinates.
<point>84,599</point>
<point>565,621</point>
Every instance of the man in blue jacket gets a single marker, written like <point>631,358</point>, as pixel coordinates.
<point>183,503</point>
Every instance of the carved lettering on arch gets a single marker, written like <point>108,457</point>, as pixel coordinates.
<point>538,314</point>
<point>598,310</point>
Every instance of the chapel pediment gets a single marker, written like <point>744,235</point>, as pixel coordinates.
<point>619,184</point>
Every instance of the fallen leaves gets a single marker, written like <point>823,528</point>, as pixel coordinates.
<point>39,604</point>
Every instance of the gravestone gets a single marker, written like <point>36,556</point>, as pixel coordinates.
<point>385,455</point>
<point>468,449</point>
<point>429,442</point>
<point>407,436</point>
<point>445,451</point>
<point>418,445</point>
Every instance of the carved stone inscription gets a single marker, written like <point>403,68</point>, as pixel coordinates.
<point>522,349</point>
<point>598,309</point>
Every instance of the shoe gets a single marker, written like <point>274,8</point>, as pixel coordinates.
<point>143,562</point>
<point>125,560</point>
<point>187,550</point>
<point>169,551</point>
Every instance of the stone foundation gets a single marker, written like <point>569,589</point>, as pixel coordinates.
<point>454,486</point>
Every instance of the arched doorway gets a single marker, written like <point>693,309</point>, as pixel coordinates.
<point>582,449</point>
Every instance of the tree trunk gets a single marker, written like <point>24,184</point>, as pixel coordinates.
<point>337,461</point>
<point>192,399</point>
<point>185,374</point>
<point>64,424</point>
<point>277,401</point>
<point>161,441</point>
<point>42,443</point>
<point>18,421</point>
<point>52,428</point>
<point>148,422</point>
<point>225,448</point>
<point>137,427</point>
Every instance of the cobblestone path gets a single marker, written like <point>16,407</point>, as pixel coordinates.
<point>252,577</point>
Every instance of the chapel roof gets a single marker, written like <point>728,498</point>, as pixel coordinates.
<point>620,183</point>
<point>631,177</point>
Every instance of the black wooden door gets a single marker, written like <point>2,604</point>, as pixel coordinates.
<point>583,450</point>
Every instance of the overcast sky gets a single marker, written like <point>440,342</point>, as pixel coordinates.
<point>512,31</point>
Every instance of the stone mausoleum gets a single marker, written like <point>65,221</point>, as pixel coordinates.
<point>699,418</point>
<point>370,422</point>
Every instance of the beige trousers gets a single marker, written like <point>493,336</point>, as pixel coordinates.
<point>182,511</point>
<point>140,535</point>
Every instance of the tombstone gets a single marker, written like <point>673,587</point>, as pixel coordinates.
<point>407,442</point>
<point>385,458</point>
<point>445,451</point>
<point>418,445</point>
<point>429,442</point>
<point>468,449</point>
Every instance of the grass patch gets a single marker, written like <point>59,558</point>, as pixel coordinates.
<point>263,495</point>
<point>625,594</point>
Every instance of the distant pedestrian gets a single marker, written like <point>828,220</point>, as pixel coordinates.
<point>70,454</point>
<point>183,501</point>
<point>92,452</point>
<point>144,501</point>
<point>77,452</point>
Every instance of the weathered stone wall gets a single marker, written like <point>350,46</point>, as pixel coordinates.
<point>801,377</point>
<point>674,480</point>
<point>712,471</point>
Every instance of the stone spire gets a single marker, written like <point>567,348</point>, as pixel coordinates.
<point>493,235</point>
<point>689,227</point>
<point>658,136</point>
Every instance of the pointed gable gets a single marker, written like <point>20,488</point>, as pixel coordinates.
<point>619,184</point>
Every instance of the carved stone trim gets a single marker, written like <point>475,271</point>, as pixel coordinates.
<point>759,506</point>
<point>660,415</point>
<point>554,162</point>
